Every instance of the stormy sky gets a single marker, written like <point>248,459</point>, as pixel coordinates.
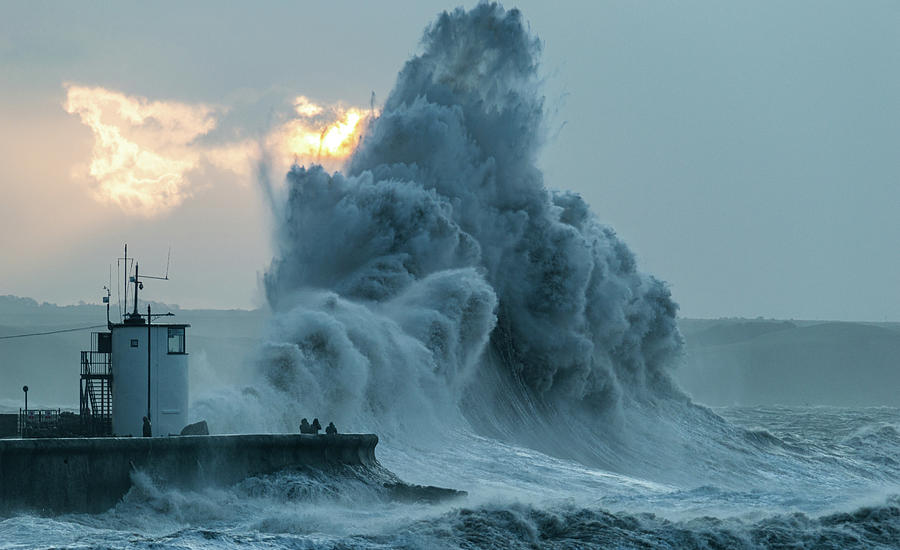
<point>746,153</point>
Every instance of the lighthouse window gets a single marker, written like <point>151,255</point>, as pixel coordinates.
<point>176,340</point>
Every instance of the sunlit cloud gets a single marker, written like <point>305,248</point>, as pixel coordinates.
<point>323,135</point>
<point>146,153</point>
<point>142,150</point>
<point>305,107</point>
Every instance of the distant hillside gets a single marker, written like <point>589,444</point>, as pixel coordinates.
<point>729,333</point>
<point>728,361</point>
<point>778,362</point>
<point>221,343</point>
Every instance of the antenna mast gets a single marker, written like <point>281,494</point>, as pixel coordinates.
<point>168,258</point>
<point>137,285</point>
<point>127,273</point>
<point>134,317</point>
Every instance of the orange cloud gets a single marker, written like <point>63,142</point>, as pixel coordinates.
<point>142,149</point>
<point>145,152</point>
<point>318,134</point>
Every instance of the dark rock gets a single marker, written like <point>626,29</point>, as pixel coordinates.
<point>197,428</point>
<point>407,492</point>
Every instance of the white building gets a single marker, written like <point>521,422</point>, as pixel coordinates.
<point>137,370</point>
<point>149,366</point>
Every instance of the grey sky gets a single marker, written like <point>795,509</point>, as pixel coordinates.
<point>746,152</point>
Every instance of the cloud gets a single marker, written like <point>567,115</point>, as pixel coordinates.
<point>142,149</point>
<point>147,153</point>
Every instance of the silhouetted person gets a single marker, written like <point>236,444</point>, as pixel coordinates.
<point>316,426</point>
<point>330,429</point>
<point>148,432</point>
<point>305,428</point>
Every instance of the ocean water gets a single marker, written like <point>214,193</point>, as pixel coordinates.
<point>500,339</point>
<point>833,481</point>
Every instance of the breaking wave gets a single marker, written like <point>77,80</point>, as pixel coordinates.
<point>498,336</point>
<point>437,284</point>
<point>437,281</point>
<point>519,500</point>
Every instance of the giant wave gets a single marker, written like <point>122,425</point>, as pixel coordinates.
<point>497,335</point>
<point>438,281</point>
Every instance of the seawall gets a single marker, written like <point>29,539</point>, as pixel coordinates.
<point>9,425</point>
<point>92,474</point>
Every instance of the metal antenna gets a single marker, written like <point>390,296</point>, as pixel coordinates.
<point>168,258</point>
<point>137,284</point>
<point>106,301</point>
<point>127,272</point>
<point>123,303</point>
<point>108,294</point>
<point>118,288</point>
<point>138,281</point>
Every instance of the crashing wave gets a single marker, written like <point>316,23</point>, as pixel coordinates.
<point>438,269</point>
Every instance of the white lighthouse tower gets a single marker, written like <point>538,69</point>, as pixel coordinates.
<point>149,367</point>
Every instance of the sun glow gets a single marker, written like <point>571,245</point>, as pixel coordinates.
<point>310,139</point>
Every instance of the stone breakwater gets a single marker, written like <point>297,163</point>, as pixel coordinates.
<point>92,474</point>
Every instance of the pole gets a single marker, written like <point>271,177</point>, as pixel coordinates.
<point>25,414</point>
<point>124,310</point>
<point>148,363</point>
<point>136,283</point>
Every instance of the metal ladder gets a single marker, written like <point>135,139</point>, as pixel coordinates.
<point>96,393</point>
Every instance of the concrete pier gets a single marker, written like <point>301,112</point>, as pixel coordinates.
<point>9,425</point>
<point>92,474</point>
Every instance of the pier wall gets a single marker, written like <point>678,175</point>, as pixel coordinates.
<point>9,425</point>
<point>93,474</point>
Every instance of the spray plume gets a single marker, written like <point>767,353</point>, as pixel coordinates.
<point>438,264</point>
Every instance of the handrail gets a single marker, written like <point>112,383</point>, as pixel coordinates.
<point>35,420</point>
<point>95,362</point>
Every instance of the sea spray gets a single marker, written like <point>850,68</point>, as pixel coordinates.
<point>439,256</point>
<point>436,283</point>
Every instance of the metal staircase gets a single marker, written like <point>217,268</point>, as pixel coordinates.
<point>96,387</point>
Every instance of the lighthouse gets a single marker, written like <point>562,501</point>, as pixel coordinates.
<point>136,371</point>
<point>149,367</point>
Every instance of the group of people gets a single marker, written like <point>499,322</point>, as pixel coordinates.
<point>307,428</point>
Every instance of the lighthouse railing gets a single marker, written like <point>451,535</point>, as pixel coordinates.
<point>38,422</point>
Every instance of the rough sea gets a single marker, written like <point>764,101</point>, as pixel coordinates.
<point>500,339</point>
<point>833,483</point>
